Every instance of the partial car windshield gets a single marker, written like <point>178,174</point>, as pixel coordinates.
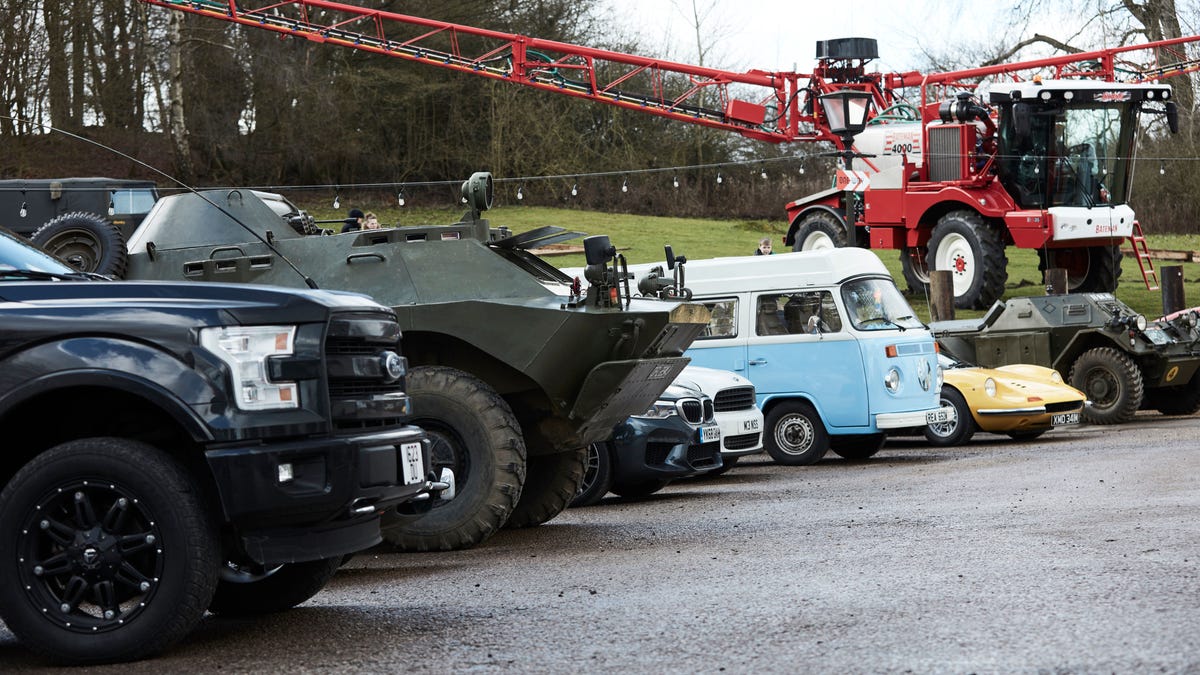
<point>876,304</point>
<point>19,258</point>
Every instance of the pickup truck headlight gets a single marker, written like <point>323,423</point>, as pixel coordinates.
<point>245,350</point>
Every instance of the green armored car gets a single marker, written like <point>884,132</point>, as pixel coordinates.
<point>1100,345</point>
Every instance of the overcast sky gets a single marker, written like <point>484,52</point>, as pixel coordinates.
<point>779,35</point>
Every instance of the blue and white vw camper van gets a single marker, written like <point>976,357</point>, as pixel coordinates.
<point>835,352</point>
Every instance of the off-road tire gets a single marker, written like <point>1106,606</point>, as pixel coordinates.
<point>915,274</point>
<point>795,434</point>
<point>972,249</point>
<point>638,489</point>
<point>1097,271</point>
<point>1111,381</point>
<point>959,431</point>
<point>475,433</point>
<point>819,229</point>
<point>551,482</point>
<point>857,446</point>
<point>1184,400</point>
<point>283,588</point>
<point>597,475</point>
<point>85,241</point>
<point>162,506</point>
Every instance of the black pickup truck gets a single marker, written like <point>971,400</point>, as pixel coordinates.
<point>172,448</point>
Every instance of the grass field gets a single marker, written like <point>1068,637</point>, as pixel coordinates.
<point>641,239</point>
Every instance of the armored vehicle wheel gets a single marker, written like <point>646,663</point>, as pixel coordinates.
<point>475,433</point>
<point>916,272</point>
<point>86,241</point>
<point>1091,269</point>
<point>248,590</point>
<point>551,482</point>
<point>640,489</point>
<point>957,431</point>
<point>795,434</point>
<point>597,475</point>
<point>972,249</point>
<point>106,552</point>
<point>858,446</point>
<point>819,230</point>
<point>1183,400</point>
<point>1112,383</point>
<point>1025,435</point>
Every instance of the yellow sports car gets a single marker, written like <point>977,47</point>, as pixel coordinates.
<point>1021,400</point>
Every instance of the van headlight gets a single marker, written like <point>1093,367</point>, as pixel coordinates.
<point>892,380</point>
<point>245,349</point>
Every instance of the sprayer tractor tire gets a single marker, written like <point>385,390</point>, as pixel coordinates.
<point>475,434</point>
<point>819,230</point>
<point>85,241</point>
<point>1091,269</point>
<point>972,249</point>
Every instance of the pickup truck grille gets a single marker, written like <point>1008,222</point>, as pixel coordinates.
<point>360,393</point>
<point>734,398</point>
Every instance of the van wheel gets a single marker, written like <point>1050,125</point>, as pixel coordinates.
<point>107,552</point>
<point>86,241</point>
<point>795,434</point>
<point>597,475</point>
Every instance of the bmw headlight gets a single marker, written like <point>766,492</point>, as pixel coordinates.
<point>892,380</point>
<point>989,387</point>
<point>245,349</point>
<point>660,410</point>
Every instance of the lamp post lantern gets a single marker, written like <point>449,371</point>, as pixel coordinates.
<point>846,112</point>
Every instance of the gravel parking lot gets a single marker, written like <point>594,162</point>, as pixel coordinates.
<point>1074,553</point>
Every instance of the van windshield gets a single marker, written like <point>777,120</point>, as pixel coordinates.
<point>876,304</point>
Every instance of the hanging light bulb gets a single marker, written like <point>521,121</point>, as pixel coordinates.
<point>520,192</point>
<point>675,181</point>
<point>719,178</point>
<point>1162,168</point>
<point>764,173</point>
<point>625,185</point>
<point>112,208</point>
<point>574,189</point>
<point>801,169</point>
<point>24,209</point>
<point>400,197</point>
<point>337,203</point>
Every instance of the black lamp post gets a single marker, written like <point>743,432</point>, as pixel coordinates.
<point>846,112</point>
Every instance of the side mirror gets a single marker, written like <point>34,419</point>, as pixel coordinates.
<point>670,257</point>
<point>1173,117</point>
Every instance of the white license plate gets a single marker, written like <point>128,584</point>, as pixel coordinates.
<point>412,463</point>
<point>1065,418</point>
<point>710,433</point>
<point>937,417</point>
<point>750,425</point>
